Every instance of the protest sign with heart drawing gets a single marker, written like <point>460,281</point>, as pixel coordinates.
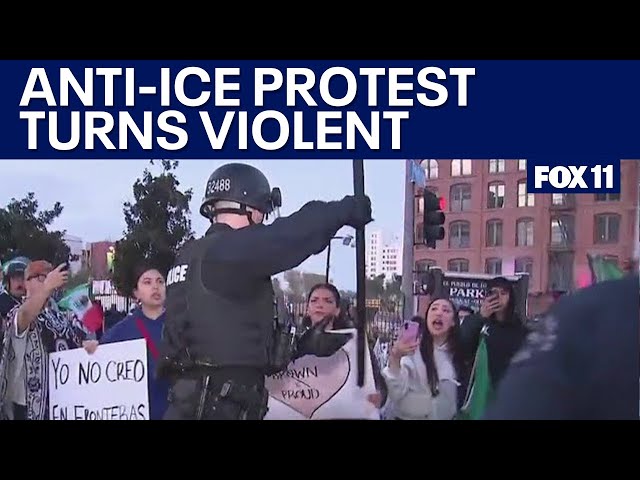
<point>314,388</point>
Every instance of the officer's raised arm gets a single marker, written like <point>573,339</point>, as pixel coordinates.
<point>266,250</point>
<point>237,201</point>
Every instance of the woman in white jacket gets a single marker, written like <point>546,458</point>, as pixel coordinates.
<point>423,375</point>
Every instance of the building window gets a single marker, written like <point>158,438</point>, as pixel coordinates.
<point>561,271</point>
<point>430,168</point>
<point>460,197</point>
<point>522,165</point>
<point>460,234</point>
<point>493,266</point>
<point>494,233</point>
<point>606,228</point>
<point>607,197</point>
<point>524,232</point>
<point>424,265</point>
<point>460,265</point>
<point>460,167</point>
<point>524,199</point>
<point>523,265</point>
<point>495,198</point>
<point>496,165</point>
<point>419,237</point>
<point>562,231</point>
<point>558,199</point>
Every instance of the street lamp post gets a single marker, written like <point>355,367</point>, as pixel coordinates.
<point>346,241</point>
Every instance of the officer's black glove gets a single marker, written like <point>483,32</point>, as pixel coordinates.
<point>320,343</point>
<point>165,369</point>
<point>359,211</point>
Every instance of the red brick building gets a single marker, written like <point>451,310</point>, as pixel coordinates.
<point>493,226</point>
<point>97,259</point>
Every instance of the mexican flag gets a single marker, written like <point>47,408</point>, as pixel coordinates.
<point>480,391</point>
<point>77,300</point>
<point>603,270</point>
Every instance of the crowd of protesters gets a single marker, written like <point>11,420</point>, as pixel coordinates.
<point>425,377</point>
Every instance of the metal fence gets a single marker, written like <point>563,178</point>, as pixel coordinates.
<point>106,294</point>
<point>382,324</point>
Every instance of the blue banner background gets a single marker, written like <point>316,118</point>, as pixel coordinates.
<point>545,110</point>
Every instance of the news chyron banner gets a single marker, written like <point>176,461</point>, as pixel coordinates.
<point>572,120</point>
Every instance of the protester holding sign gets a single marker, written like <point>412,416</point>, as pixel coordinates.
<point>34,330</point>
<point>424,370</point>
<point>146,322</point>
<point>324,302</point>
<point>324,388</point>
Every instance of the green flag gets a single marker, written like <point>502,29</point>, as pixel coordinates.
<point>480,391</point>
<point>75,298</point>
<point>603,270</point>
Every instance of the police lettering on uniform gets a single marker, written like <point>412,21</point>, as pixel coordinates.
<point>177,274</point>
<point>222,336</point>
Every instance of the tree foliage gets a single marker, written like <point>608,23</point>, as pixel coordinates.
<point>25,230</point>
<point>78,279</point>
<point>158,225</point>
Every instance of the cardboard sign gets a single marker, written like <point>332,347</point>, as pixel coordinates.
<point>111,384</point>
<point>314,388</point>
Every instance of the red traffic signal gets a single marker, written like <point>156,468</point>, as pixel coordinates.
<point>433,218</point>
<point>443,204</point>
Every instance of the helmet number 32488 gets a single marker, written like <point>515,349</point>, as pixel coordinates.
<point>219,185</point>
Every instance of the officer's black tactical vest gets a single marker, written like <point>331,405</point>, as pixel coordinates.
<point>228,327</point>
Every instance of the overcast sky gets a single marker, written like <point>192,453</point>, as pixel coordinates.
<point>93,191</point>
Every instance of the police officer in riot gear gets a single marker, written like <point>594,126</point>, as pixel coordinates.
<point>580,362</point>
<point>222,333</point>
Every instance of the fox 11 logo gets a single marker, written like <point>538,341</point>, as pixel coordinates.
<point>573,176</point>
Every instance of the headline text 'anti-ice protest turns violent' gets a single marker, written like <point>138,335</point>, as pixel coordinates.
<point>300,85</point>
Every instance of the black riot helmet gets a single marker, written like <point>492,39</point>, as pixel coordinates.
<point>242,186</point>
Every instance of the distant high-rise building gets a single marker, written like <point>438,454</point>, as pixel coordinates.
<point>76,252</point>
<point>383,255</point>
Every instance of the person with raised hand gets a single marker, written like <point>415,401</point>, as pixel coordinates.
<point>33,330</point>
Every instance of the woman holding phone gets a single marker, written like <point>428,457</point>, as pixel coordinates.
<point>425,366</point>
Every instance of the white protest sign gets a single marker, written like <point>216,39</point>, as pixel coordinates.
<point>111,384</point>
<point>314,388</point>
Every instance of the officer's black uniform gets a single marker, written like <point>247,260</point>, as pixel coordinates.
<point>219,331</point>
<point>581,363</point>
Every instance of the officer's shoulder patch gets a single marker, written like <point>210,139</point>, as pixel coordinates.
<point>542,339</point>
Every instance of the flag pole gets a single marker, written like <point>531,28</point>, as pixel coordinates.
<point>408,308</point>
<point>361,312</point>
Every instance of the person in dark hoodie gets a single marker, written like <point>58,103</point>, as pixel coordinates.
<point>146,322</point>
<point>498,320</point>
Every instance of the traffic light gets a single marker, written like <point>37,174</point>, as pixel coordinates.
<point>433,218</point>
